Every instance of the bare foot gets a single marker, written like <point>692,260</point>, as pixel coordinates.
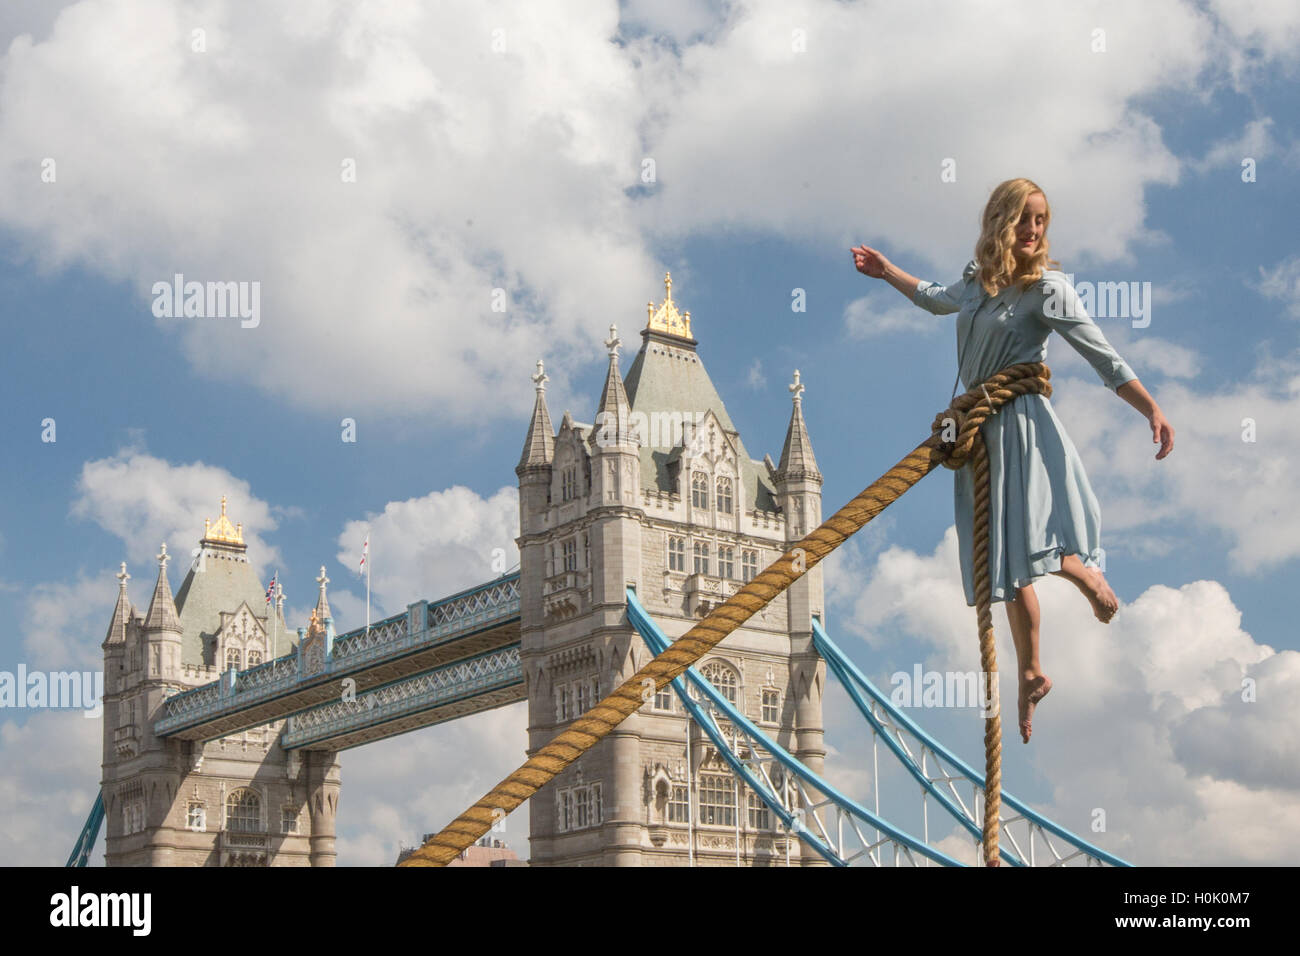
<point>1032,690</point>
<point>1103,599</point>
<point>1092,584</point>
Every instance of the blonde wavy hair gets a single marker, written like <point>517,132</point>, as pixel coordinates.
<point>995,251</point>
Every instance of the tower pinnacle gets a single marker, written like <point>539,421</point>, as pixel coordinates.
<point>797,459</point>
<point>666,318</point>
<point>539,444</point>
<point>322,610</point>
<point>162,608</point>
<point>222,531</point>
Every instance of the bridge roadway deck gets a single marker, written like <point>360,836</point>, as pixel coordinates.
<point>479,683</point>
<point>429,636</point>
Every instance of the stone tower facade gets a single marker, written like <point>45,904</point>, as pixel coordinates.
<point>237,801</point>
<point>659,494</point>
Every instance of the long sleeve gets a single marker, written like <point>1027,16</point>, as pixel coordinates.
<point>943,299</point>
<point>1063,312</point>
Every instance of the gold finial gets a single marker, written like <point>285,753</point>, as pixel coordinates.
<point>666,318</point>
<point>223,531</point>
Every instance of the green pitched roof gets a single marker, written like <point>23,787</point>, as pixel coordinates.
<point>226,581</point>
<point>668,375</point>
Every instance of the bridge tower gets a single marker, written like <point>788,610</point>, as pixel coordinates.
<point>659,494</point>
<point>236,801</point>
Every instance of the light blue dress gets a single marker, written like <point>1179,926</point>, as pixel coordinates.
<point>1042,506</point>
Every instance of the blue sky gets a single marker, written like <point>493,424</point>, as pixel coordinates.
<point>519,169</point>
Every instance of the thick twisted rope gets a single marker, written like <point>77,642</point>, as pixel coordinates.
<point>952,442</point>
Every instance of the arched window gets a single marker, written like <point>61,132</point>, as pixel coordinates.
<point>724,495</point>
<point>699,489</point>
<point>676,553</point>
<point>726,562</point>
<point>254,658</point>
<point>722,677</point>
<point>244,811</point>
<point>701,557</point>
<point>232,658</point>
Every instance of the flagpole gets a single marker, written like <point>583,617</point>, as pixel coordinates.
<point>275,623</point>
<point>365,566</point>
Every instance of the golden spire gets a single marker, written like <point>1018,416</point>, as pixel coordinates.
<point>666,318</point>
<point>223,531</point>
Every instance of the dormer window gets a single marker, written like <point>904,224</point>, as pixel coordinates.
<point>569,483</point>
<point>699,489</point>
<point>723,491</point>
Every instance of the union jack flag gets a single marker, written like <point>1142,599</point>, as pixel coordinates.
<point>270,588</point>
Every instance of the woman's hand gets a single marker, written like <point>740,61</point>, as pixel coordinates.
<point>1161,432</point>
<point>870,262</point>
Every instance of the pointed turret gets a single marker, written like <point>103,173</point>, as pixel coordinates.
<point>162,609</point>
<point>614,445</point>
<point>539,446</point>
<point>799,494</point>
<point>122,613</point>
<point>612,423</point>
<point>322,610</point>
<point>797,459</point>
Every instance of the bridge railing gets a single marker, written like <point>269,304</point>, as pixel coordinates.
<point>421,625</point>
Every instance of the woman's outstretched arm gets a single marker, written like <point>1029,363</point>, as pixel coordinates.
<point>1162,432</point>
<point>872,262</point>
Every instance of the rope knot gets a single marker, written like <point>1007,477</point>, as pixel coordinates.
<point>952,436</point>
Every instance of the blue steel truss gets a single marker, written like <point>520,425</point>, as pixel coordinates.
<point>89,833</point>
<point>895,728</point>
<point>782,781</point>
<point>1025,830</point>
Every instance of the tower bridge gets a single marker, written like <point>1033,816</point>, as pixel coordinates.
<point>218,750</point>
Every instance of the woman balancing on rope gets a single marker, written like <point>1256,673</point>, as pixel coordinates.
<point>1043,515</point>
